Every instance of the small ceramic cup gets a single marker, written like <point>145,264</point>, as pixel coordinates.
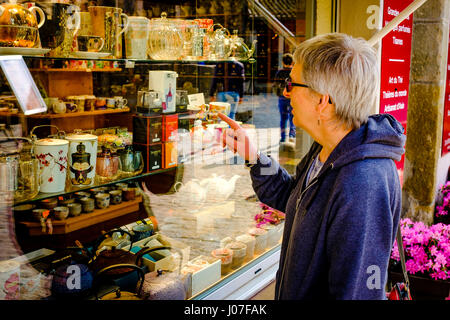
<point>81,194</point>
<point>39,214</point>
<point>61,213</point>
<point>102,200</point>
<point>74,209</point>
<point>87,204</point>
<point>142,231</point>
<point>49,203</point>
<point>64,202</point>
<point>121,185</point>
<point>128,194</point>
<point>116,196</point>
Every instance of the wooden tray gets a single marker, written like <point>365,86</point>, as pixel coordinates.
<point>85,219</point>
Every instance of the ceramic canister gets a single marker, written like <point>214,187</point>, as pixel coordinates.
<point>52,156</point>
<point>82,158</point>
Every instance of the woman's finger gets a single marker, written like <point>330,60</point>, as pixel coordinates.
<point>233,124</point>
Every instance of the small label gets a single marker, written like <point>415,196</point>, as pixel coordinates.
<point>129,64</point>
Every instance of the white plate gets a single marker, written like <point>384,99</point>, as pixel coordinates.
<point>23,51</point>
<point>90,55</point>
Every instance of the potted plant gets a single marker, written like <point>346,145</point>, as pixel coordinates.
<point>427,259</point>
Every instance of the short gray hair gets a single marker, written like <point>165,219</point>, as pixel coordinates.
<point>346,69</point>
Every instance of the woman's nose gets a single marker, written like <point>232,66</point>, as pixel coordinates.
<point>286,94</point>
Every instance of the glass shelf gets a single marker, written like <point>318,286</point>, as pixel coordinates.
<point>142,61</point>
<point>70,189</point>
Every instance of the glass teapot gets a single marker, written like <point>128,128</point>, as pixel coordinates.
<point>19,169</point>
<point>239,50</point>
<point>220,41</point>
<point>108,166</point>
<point>165,40</point>
<point>132,162</point>
<point>19,27</point>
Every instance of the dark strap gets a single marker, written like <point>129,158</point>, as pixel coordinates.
<point>402,255</point>
<point>119,266</point>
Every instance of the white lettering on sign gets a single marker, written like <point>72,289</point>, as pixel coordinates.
<point>393,12</point>
<point>388,94</point>
<point>373,20</point>
<point>397,41</point>
<point>394,107</point>
<point>446,142</point>
<point>402,29</point>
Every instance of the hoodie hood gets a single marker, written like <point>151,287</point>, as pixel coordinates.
<point>380,137</point>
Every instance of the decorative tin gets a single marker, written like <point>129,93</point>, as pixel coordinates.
<point>82,158</point>
<point>52,156</point>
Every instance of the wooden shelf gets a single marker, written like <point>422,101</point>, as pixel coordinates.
<point>67,114</point>
<point>85,219</point>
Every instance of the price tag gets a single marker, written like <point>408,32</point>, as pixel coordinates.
<point>197,99</point>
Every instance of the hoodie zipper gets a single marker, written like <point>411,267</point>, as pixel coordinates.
<point>299,200</point>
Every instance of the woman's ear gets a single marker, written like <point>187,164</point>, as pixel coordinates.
<point>323,107</point>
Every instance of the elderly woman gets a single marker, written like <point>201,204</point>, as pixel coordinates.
<point>343,205</point>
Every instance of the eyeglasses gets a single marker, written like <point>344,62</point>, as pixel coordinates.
<point>289,85</point>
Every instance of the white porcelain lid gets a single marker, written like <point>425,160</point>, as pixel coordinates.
<point>81,136</point>
<point>51,142</point>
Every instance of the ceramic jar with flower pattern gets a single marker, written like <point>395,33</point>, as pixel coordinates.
<point>52,157</point>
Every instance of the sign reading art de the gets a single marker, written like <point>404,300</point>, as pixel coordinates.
<point>446,126</point>
<point>395,65</point>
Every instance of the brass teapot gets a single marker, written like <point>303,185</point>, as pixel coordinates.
<point>19,26</point>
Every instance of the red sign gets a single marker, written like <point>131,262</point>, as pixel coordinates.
<point>446,126</point>
<point>395,65</point>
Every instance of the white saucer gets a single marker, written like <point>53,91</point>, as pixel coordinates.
<point>90,55</point>
<point>23,51</point>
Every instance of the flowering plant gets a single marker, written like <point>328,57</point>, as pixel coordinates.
<point>427,249</point>
<point>268,215</point>
<point>442,209</point>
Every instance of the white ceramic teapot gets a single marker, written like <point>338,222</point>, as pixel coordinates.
<point>191,194</point>
<point>217,188</point>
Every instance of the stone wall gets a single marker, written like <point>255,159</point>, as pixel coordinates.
<point>425,108</point>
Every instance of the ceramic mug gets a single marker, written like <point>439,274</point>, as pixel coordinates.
<point>71,107</point>
<point>121,102</point>
<point>100,103</point>
<point>79,101</point>
<point>102,200</point>
<point>90,43</point>
<point>59,107</point>
<point>110,103</point>
<point>89,103</point>
<point>116,196</point>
